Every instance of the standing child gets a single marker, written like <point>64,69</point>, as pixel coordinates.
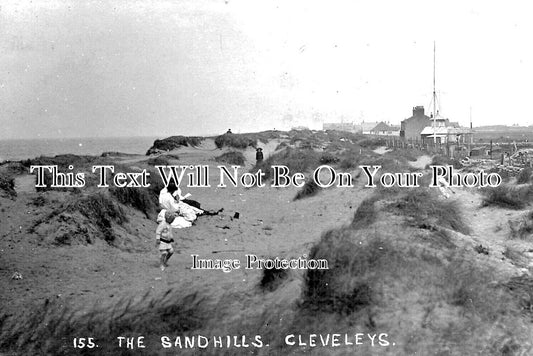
<point>164,240</point>
<point>259,155</point>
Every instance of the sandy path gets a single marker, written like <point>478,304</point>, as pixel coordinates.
<point>490,227</point>
<point>421,162</point>
<point>270,224</point>
<point>25,184</point>
<point>207,150</point>
<point>381,150</point>
<point>268,149</point>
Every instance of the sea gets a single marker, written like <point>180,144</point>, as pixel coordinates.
<point>18,149</point>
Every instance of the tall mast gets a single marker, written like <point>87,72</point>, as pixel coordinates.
<point>434,100</point>
<point>471,133</point>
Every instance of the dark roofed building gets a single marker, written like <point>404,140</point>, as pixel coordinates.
<point>367,126</point>
<point>384,129</point>
<point>340,126</point>
<point>411,128</point>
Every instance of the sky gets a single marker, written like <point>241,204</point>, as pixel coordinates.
<point>199,67</point>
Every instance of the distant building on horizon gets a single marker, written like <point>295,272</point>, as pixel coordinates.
<point>412,127</point>
<point>446,134</point>
<point>366,127</point>
<point>300,128</point>
<point>339,126</point>
<point>384,129</point>
<point>421,127</point>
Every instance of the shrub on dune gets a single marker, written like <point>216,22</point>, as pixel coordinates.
<point>138,198</point>
<point>163,160</point>
<point>281,146</point>
<point>378,275</point>
<point>309,189</point>
<point>173,142</point>
<point>102,210</point>
<point>524,176</point>
<point>297,160</point>
<point>522,228</point>
<point>365,214</point>
<point>82,163</point>
<point>7,184</point>
<point>517,257</point>
<point>117,154</point>
<point>350,283</point>
<point>424,208</point>
<point>232,157</point>
<point>521,287</point>
<point>240,141</point>
<point>440,160</point>
<point>55,322</point>
<point>349,160</point>
<point>328,158</point>
<point>505,196</point>
<point>408,154</point>
<point>272,278</point>
<point>372,143</point>
<point>64,160</point>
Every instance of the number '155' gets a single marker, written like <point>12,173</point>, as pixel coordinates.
<point>82,342</point>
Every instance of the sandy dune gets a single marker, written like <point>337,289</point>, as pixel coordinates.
<point>270,224</point>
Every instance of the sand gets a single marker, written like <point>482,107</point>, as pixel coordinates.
<point>270,224</point>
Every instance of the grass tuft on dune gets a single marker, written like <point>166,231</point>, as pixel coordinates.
<point>173,142</point>
<point>99,212</point>
<point>58,324</point>
<point>309,189</point>
<point>524,176</point>
<point>378,268</point>
<point>297,160</point>
<point>509,197</point>
<point>240,141</point>
<point>231,157</point>
<point>7,185</point>
<point>403,266</point>
<point>424,207</point>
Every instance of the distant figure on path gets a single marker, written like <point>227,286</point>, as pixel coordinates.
<point>229,131</point>
<point>259,155</point>
<point>164,239</point>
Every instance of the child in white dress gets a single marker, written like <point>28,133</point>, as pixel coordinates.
<point>164,239</point>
